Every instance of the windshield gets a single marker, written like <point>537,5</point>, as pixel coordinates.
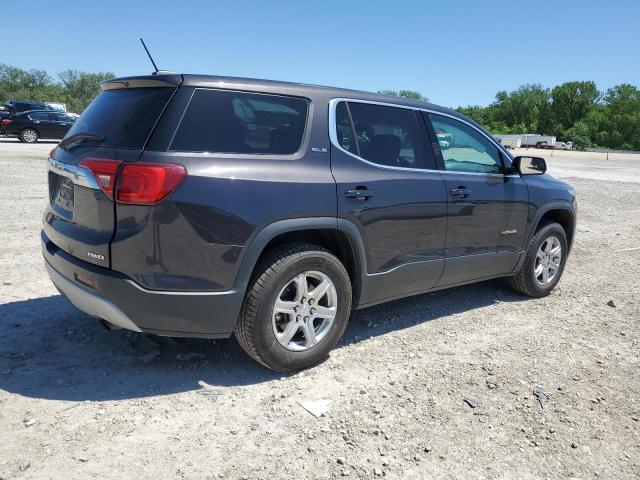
<point>123,116</point>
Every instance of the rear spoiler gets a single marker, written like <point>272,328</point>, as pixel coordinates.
<point>164,80</point>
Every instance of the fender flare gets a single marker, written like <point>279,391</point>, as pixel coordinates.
<point>257,245</point>
<point>533,224</point>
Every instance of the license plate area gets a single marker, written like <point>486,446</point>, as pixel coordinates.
<point>61,191</point>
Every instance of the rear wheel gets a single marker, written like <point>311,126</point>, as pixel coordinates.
<point>296,309</point>
<point>29,135</point>
<point>544,263</point>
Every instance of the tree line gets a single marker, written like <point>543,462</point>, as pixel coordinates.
<point>74,88</point>
<point>572,111</point>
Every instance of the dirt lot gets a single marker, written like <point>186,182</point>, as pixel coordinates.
<point>77,401</point>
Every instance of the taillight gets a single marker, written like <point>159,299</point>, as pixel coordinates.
<point>148,183</point>
<point>138,183</point>
<point>104,171</point>
<point>7,121</point>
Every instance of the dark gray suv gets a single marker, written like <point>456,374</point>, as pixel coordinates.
<point>202,206</point>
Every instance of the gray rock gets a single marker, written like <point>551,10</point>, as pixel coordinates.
<point>611,303</point>
<point>540,395</point>
<point>472,403</point>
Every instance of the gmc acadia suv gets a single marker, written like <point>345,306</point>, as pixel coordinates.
<point>202,206</point>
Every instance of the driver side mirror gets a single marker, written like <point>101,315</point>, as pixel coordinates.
<point>529,165</point>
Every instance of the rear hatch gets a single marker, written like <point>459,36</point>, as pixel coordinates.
<point>115,127</point>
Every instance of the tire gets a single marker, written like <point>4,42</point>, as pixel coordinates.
<point>288,274</point>
<point>29,135</point>
<point>530,280</point>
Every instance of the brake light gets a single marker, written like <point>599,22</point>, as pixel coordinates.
<point>136,183</point>
<point>147,183</point>
<point>104,171</point>
<point>7,121</point>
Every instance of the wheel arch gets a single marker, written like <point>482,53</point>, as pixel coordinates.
<point>339,236</point>
<point>559,212</point>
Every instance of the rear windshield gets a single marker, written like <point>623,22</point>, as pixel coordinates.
<point>123,116</point>
<point>241,122</point>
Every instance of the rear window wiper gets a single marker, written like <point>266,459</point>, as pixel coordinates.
<point>80,137</point>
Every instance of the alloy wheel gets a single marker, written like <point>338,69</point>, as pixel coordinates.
<point>304,311</point>
<point>548,260</point>
<point>29,136</point>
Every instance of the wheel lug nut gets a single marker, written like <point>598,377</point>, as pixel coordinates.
<point>306,319</point>
<point>313,310</point>
<point>311,301</point>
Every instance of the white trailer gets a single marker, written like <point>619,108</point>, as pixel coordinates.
<point>539,141</point>
<point>510,142</point>
<point>530,140</point>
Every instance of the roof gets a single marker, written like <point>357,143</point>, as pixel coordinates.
<point>280,87</point>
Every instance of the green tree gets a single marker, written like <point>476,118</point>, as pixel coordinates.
<point>412,94</point>
<point>526,109</point>
<point>18,83</point>
<point>572,101</point>
<point>80,88</point>
<point>620,118</point>
<point>579,134</point>
<point>75,89</point>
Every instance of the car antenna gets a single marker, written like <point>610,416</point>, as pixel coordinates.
<point>150,57</point>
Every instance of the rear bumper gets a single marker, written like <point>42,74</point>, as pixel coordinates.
<point>114,297</point>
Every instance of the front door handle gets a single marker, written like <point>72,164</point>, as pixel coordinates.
<point>359,194</point>
<point>460,192</point>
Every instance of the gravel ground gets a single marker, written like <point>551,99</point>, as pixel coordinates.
<point>77,401</point>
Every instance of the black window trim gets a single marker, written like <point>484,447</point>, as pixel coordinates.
<point>333,103</point>
<point>264,156</point>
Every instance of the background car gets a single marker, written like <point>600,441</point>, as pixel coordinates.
<point>563,145</point>
<point>3,114</point>
<point>18,106</point>
<point>31,126</point>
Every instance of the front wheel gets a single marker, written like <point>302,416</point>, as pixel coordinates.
<point>296,308</point>
<point>544,262</point>
<point>29,135</point>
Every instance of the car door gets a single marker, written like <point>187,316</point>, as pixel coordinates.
<point>63,123</point>
<point>486,209</point>
<point>43,123</point>
<point>389,188</point>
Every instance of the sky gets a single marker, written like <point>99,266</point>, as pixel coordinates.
<point>456,52</point>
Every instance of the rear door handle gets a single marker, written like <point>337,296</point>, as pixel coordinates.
<point>460,192</point>
<point>359,194</point>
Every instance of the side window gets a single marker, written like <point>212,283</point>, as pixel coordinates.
<point>386,135</point>
<point>464,149</point>
<point>39,116</point>
<point>240,122</point>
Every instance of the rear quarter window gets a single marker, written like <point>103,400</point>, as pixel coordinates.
<point>224,121</point>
